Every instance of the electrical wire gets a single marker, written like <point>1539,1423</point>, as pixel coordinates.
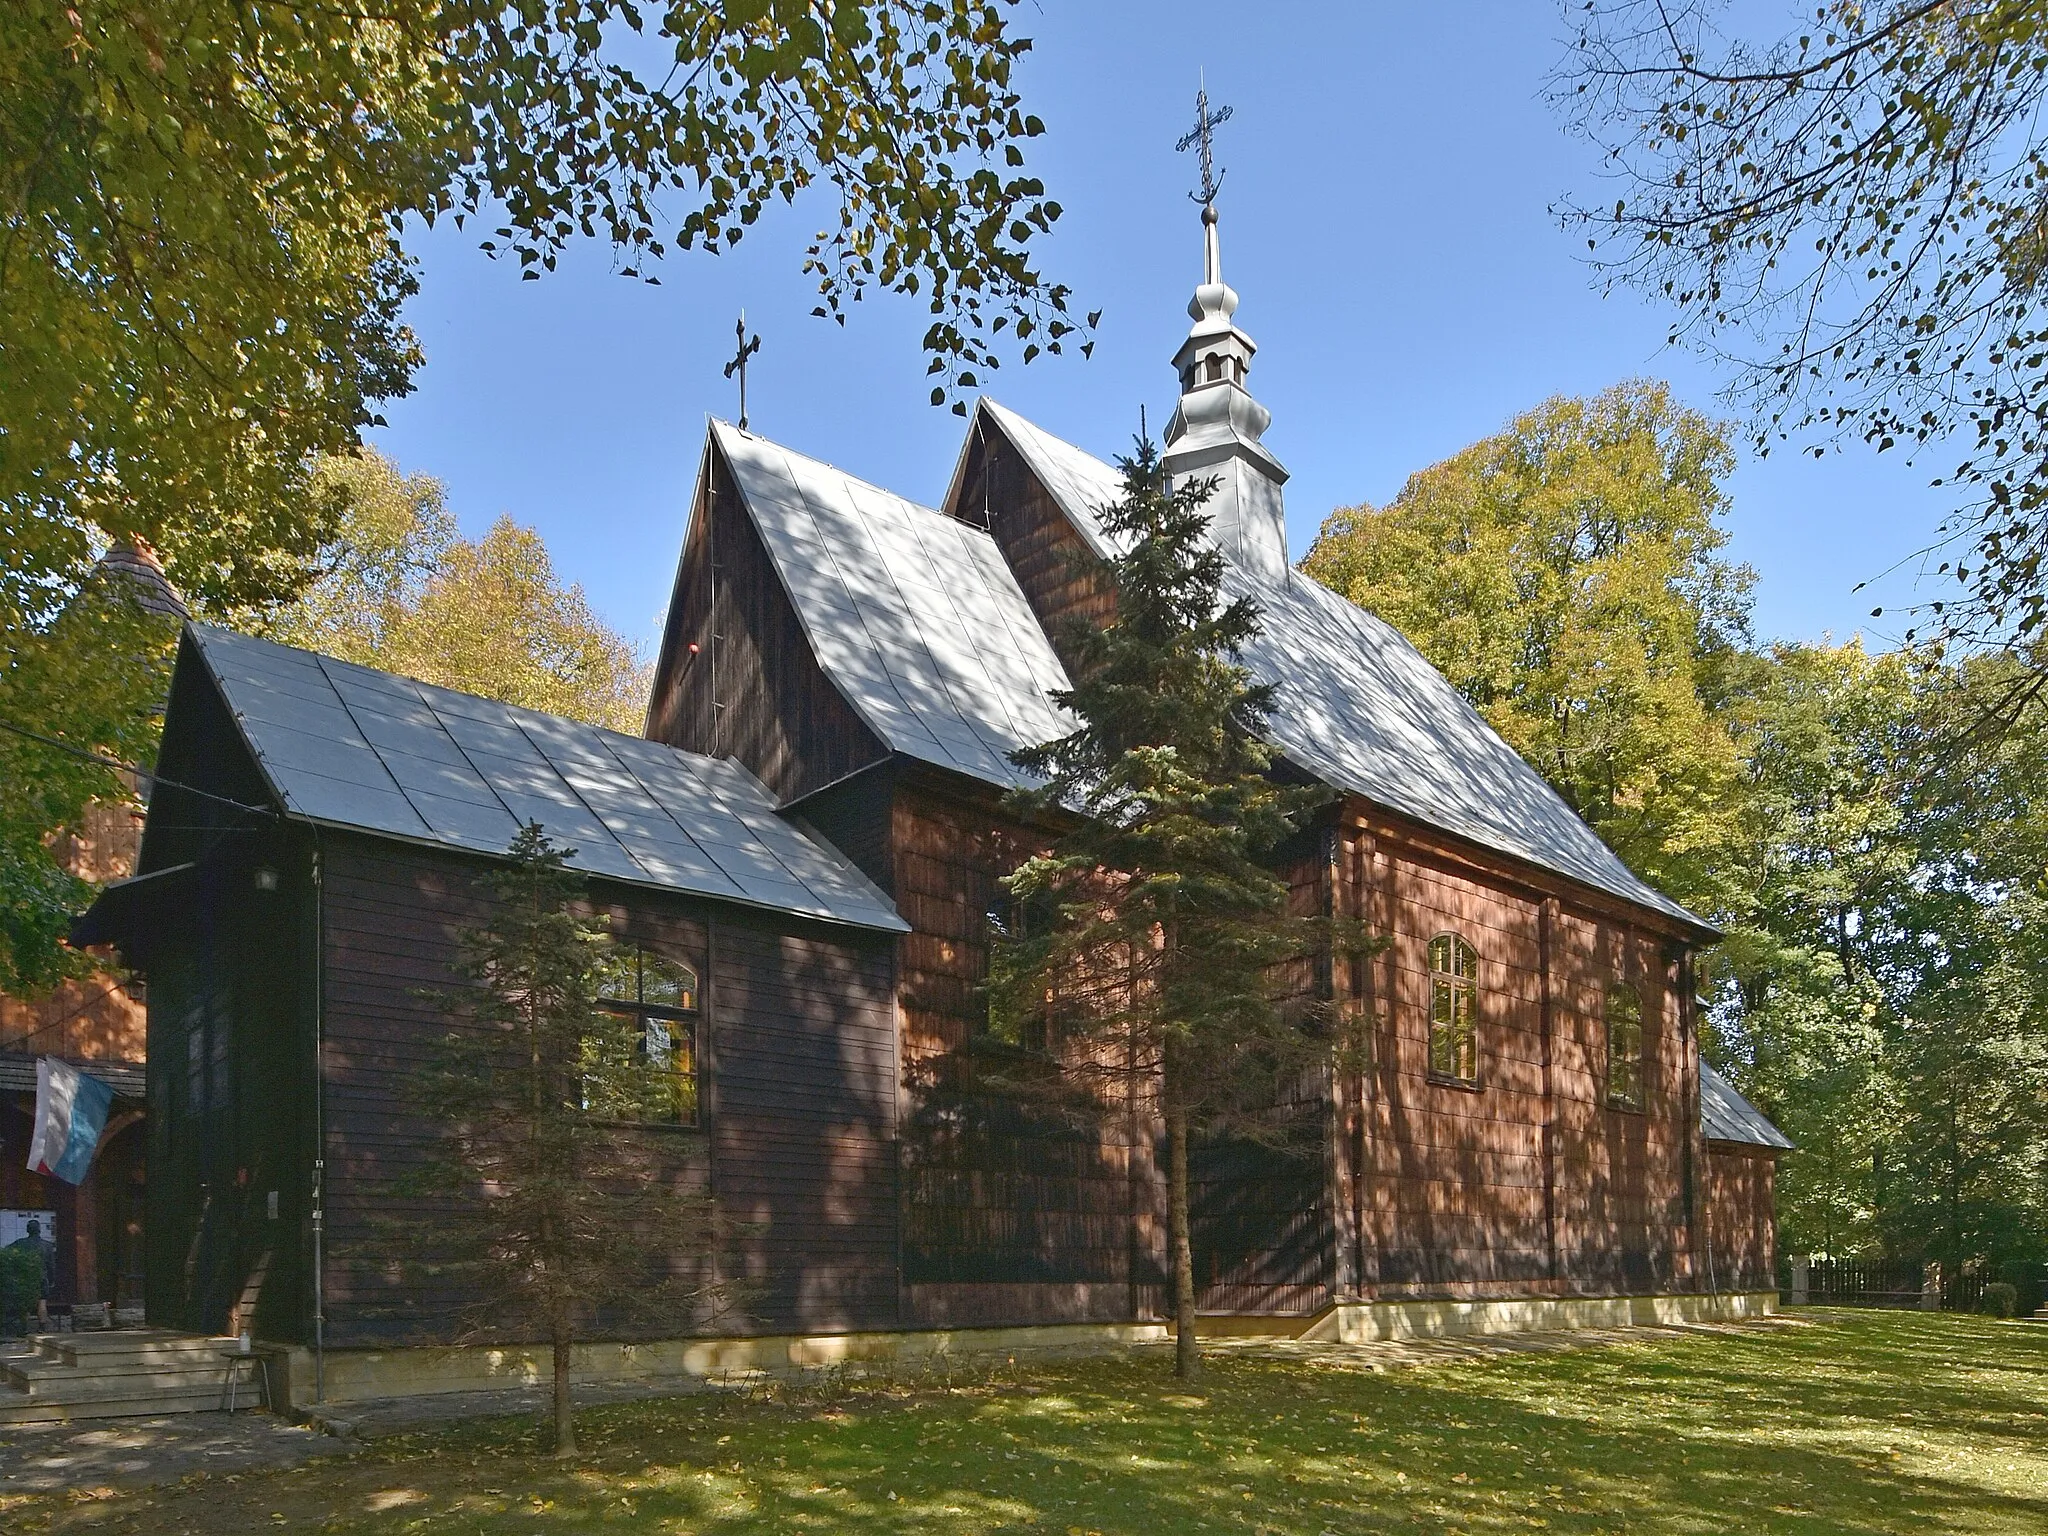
<point>140,773</point>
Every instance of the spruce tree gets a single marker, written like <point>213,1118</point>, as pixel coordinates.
<point>1147,931</point>
<point>558,1210</point>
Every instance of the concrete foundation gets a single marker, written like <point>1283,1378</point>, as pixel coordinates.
<point>1372,1322</point>
<point>361,1375</point>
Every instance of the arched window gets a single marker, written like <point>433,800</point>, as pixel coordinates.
<point>1453,1010</point>
<point>1624,1047</point>
<point>647,1071</point>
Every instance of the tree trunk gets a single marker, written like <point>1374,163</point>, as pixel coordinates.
<point>1187,1352</point>
<point>565,1424</point>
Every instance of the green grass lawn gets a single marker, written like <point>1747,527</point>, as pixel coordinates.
<point>1871,1422</point>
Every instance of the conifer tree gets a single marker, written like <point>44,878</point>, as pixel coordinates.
<point>558,1210</point>
<point>1150,926</point>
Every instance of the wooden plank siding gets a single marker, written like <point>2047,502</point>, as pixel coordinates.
<point>1529,1183</point>
<point>1053,565</point>
<point>231,1114</point>
<point>752,689</point>
<point>1010,1213</point>
<point>798,1063</point>
<point>1263,1219</point>
<point>1740,1247</point>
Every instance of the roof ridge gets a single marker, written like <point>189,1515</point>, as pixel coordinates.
<point>808,458</point>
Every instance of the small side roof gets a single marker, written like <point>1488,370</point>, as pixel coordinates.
<point>128,1079</point>
<point>1726,1115</point>
<point>348,746</point>
<point>913,615</point>
<point>1358,706</point>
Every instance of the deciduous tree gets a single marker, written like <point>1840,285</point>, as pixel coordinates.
<point>400,589</point>
<point>202,204</point>
<point>85,715</point>
<point>1566,575</point>
<point>1853,215</point>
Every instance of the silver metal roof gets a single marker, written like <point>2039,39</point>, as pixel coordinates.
<point>1082,484</point>
<point>1726,1115</point>
<point>349,746</point>
<point>914,615</point>
<point>1358,706</point>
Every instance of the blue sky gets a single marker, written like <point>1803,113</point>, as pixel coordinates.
<point>1385,219</point>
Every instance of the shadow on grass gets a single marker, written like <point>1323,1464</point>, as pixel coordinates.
<point>1864,1423</point>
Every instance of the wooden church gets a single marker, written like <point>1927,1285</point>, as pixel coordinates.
<point>803,854</point>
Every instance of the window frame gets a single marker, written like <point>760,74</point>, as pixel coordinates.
<point>1638,1060</point>
<point>1450,983</point>
<point>639,1009</point>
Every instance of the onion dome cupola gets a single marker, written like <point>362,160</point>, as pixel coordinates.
<point>1217,426</point>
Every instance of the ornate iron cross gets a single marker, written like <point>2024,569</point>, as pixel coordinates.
<point>1206,122</point>
<point>748,347</point>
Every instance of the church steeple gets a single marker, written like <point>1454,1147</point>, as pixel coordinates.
<point>1217,426</point>
<point>1216,351</point>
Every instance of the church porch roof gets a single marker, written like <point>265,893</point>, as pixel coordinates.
<point>350,747</point>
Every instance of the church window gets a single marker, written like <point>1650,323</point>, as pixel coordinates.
<point>643,1068</point>
<point>1624,1048</point>
<point>1453,1010</point>
<point>1215,368</point>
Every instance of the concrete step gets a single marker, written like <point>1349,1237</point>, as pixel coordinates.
<point>152,1346</point>
<point>123,1375</point>
<point>20,1411</point>
<point>49,1380</point>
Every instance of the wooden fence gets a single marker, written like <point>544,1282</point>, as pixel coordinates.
<point>1881,1283</point>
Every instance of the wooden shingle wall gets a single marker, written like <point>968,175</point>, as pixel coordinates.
<point>798,1056</point>
<point>1263,1224</point>
<point>230,1103</point>
<point>803,1123</point>
<point>1455,1175</point>
<point>1740,1248</point>
<point>1528,1183</point>
<point>1621,1181</point>
<point>1052,564</point>
<point>1011,1213</point>
<point>752,690</point>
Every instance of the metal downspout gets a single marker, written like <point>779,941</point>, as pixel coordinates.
<point>319,1122</point>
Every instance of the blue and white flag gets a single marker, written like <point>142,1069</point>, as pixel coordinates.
<point>71,1111</point>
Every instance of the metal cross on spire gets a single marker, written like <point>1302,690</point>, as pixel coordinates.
<point>1206,122</point>
<point>738,365</point>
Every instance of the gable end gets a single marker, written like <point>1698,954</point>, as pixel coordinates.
<point>752,688</point>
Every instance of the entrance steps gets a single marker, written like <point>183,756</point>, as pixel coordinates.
<point>128,1373</point>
